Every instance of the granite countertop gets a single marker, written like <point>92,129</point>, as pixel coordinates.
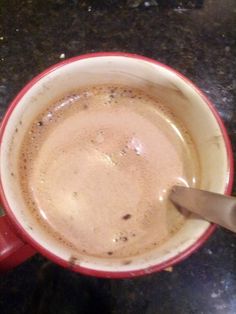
<point>198,38</point>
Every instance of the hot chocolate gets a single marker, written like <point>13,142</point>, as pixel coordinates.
<point>96,166</point>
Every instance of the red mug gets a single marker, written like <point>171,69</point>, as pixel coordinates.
<point>21,236</point>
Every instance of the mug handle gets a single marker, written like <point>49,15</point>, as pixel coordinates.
<point>13,250</point>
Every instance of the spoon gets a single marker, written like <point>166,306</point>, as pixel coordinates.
<point>217,208</point>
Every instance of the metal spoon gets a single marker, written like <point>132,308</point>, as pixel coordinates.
<point>217,208</point>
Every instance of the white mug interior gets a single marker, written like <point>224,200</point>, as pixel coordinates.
<point>173,91</point>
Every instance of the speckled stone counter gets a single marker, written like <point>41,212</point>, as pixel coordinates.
<point>198,39</point>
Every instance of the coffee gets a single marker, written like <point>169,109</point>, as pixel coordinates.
<point>96,167</point>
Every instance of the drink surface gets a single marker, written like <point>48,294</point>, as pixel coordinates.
<point>96,166</point>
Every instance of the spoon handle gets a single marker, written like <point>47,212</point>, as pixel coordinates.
<point>217,208</point>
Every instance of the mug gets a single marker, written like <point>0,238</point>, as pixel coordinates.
<point>21,236</point>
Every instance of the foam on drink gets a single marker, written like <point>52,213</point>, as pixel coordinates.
<point>96,168</point>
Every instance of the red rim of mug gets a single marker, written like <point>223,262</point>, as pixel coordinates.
<point>115,274</point>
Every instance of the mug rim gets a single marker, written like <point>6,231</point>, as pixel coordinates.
<point>101,273</point>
